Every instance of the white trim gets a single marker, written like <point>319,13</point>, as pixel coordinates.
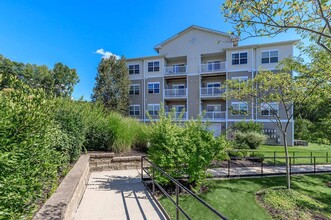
<point>239,70</point>
<point>239,77</point>
<point>153,61</point>
<point>209,83</point>
<point>133,85</point>
<point>153,87</point>
<point>243,51</point>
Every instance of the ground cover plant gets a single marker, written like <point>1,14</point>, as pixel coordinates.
<point>238,198</point>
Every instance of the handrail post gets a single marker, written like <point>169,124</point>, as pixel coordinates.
<point>229,168</point>
<point>153,181</point>
<point>311,157</point>
<point>327,157</point>
<point>293,157</point>
<point>290,163</point>
<point>141,166</point>
<point>314,165</point>
<point>177,201</point>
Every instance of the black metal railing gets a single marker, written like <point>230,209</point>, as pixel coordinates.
<point>150,170</point>
<point>263,163</point>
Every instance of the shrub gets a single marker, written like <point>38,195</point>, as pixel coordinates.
<point>248,126</point>
<point>249,140</point>
<point>70,116</point>
<point>184,149</point>
<point>31,147</point>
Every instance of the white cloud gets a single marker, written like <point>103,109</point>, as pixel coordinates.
<point>106,54</point>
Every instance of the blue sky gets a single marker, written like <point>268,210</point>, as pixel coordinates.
<point>50,31</point>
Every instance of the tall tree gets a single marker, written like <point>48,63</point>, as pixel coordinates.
<point>309,18</point>
<point>64,80</point>
<point>112,85</point>
<point>290,92</point>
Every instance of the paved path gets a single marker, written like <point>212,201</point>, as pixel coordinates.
<point>269,170</point>
<point>117,195</point>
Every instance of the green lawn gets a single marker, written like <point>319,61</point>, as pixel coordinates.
<point>236,198</point>
<point>321,152</point>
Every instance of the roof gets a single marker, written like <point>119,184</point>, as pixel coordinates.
<point>263,45</point>
<point>157,47</point>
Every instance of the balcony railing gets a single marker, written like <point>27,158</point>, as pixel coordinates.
<point>174,70</point>
<point>215,115</point>
<point>178,114</point>
<point>211,91</point>
<point>213,67</point>
<point>175,93</point>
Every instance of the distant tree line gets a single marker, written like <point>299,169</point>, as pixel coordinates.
<point>58,81</point>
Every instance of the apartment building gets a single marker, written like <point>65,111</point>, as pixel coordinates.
<point>188,72</point>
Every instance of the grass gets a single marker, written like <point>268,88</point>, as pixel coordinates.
<point>236,198</point>
<point>322,152</point>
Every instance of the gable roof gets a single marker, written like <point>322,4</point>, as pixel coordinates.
<point>157,47</point>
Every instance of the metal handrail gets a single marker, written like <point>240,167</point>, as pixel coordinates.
<point>175,92</point>
<point>211,91</point>
<point>178,184</point>
<point>213,67</point>
<point>214,115</point>
<point>174,70</point>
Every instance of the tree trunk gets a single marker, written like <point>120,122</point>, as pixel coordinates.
<point>288,177</point>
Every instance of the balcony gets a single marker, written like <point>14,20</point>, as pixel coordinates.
<point>211,91</point>
<point>213,67</point>
<point>214,115</point>
<point>178,114</point>
<point>174,70</point>
<point>175,93</point>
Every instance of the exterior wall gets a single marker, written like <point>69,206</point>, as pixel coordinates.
<point>138,99</point>
<point>204,104</point>
<point>239,67</point>
<point>284,51</point>
<point>171,82</point>
<point>141,69</point>
<point>206,79</point>
<point>193,96</point>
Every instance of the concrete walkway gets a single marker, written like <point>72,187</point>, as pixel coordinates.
<point>269,170</point>
<point>117,195</point>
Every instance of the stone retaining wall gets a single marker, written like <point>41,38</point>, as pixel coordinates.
<point>64,202</point>
<point>108,161</point>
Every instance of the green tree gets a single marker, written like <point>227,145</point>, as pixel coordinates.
<point>59,81</point>
<point>309,18</point>
<point>112,85</point>
<point>269,87</point>
<point>64,80</point>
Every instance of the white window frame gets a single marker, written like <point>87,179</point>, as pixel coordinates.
<point>239,59</point>
<point>266,107</point>
<point>175,107</point>
<point>153,66</point>
<point>213,83</point>
<point>239,110</point>
<point>134,91</point>
<point>153,106</point>
<point>134,110</point>
<point>213,105</point>
<point>240,78</point>
<point>134,68</point>
<point>269,56</point>
<point>177,85</point>
<point>153,83</point>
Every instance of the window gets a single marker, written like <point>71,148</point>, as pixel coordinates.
<point>239,108</point>
<point>178,108</point>
<point>269,109</point>
<point>134,69</point>
<point>213,108</point>
<point>153,109</point>
<point>214,65</point>
<point>153,66</point>
<point>270,56</point>
<point>239,58</point>
<point>134,89</point>
<point>134,110</point>
<point>240,78</point>
<point>154,87</point>
<point>214,84</point>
